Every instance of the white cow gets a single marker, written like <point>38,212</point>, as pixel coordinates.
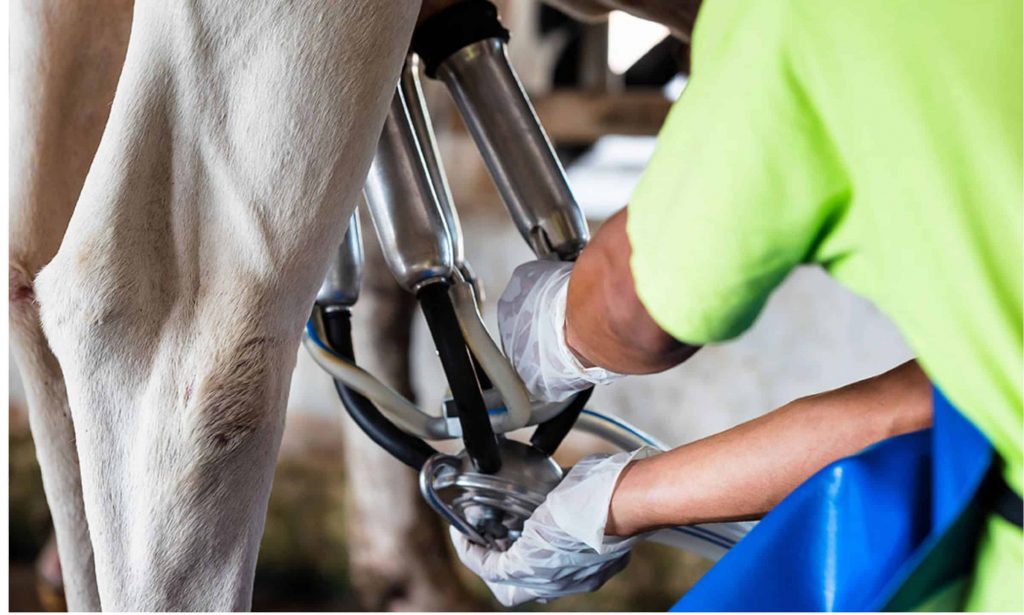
<point>65,60</point>
<point>231,156</point>
<point>235,147</point>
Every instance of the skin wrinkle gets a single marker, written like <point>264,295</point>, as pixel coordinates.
<point>232,388</point>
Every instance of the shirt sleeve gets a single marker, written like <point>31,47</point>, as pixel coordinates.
<point>743,184</point>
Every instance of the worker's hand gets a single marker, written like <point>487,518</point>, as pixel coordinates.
<point>531,319</point>
<point>563,549</point>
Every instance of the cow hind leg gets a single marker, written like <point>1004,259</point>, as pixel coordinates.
<point>54,438</point>
<point>237,143</point>
<point>66,56</point>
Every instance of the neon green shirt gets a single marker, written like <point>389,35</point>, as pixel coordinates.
<point>880,139</point>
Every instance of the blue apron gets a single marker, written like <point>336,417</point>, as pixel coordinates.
<point>893,527</point>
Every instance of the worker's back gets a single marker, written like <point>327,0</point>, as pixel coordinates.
<point>879,138</point>
<point>923,103</point>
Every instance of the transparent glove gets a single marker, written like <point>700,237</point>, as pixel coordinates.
<point>531,319</point>
<point>563,549</point>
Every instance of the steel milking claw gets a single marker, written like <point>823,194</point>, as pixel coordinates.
<point>490,509</point>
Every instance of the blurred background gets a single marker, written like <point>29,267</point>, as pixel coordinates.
<point>346,528</point>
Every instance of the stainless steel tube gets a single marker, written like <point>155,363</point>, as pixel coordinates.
<point>424,130</point>
<point>518,155</point>
<point>340,287</point>
<point>403,206</point>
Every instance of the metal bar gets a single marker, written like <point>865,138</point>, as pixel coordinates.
<point>412,231</point>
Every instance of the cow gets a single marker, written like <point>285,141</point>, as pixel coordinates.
<point>235,147</point>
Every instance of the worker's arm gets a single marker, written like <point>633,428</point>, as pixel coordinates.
<point>569,326</point>
<point>744,472</point>
<point>582,534</point>
<point>605,323</point>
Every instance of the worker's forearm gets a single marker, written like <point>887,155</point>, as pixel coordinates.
<point>744,472</point>
<point>605,323</point>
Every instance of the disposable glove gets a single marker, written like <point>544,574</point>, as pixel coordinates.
<point>531,319</point>
<point>563,549</point>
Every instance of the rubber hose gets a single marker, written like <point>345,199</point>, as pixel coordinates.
<point>477,433</point>
<point>549,435</point>
<point>489,357</point>
<point>404,447</point>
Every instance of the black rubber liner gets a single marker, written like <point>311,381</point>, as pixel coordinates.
<point>453,28</point>
<point>477,434</point>
<point>549,435</point>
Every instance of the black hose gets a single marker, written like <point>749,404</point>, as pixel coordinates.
<point>477,434</point>
<point>549,434</point>
<point>452,28</point>
<point>404,447</point>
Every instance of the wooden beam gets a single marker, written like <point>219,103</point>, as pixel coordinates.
<point>574,117</point>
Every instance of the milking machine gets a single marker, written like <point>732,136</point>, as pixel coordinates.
<point>492,486</point>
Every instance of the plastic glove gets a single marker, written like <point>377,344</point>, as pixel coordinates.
<point>563,549</point>
<point>531,319</point>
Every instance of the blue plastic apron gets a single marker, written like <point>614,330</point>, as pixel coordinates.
<point>893,527</point>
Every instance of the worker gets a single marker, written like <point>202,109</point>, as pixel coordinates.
<point>881,141</point>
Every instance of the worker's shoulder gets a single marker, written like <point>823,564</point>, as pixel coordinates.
<point>833,32</point>
<point>794,17</point>
<point>879,18</point>
<point>808,12</point>
<point>724,24</point>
